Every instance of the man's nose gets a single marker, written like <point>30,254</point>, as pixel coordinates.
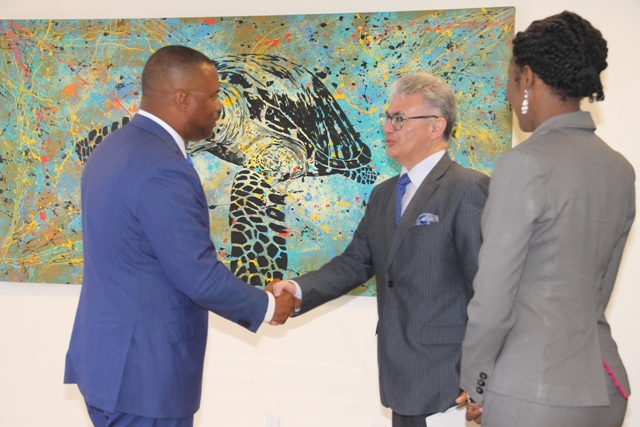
<point>388,127</point>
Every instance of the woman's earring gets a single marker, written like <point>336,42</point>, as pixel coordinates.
<point>525,102</point>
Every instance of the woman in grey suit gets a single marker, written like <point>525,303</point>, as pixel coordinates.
<point>538,349</point>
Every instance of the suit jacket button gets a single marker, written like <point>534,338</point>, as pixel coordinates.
<point>483,375</point>
<point>244,324</point>
<point>479,390</point>
<point>481,383</point>
<point>390,283</point>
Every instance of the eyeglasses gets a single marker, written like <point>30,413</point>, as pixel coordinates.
<point>398,121</point>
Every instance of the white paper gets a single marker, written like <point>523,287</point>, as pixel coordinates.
<point>452,417</point>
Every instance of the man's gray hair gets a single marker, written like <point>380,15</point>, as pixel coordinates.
<point>435,93</point>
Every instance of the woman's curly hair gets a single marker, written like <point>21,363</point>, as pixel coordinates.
<point>566,52</point>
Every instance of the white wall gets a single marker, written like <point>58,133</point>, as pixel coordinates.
<point>320,369</point>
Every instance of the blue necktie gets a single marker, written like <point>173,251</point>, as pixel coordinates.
<point>401,187</point>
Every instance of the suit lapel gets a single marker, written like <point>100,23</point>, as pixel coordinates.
<point>413,210</point>
<point>390,215</point>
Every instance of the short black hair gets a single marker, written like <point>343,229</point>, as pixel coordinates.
<point>168,60</point>
<point>566,52</point>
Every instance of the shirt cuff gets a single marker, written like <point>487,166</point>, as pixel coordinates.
<point>298,292</point>
<point>271,308</point>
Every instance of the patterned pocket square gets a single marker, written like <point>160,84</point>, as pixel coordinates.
<point>427,219</point>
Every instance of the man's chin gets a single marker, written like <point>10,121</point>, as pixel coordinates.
<point>202,137</point>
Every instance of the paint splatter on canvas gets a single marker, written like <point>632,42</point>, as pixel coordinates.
<point>297,151</point>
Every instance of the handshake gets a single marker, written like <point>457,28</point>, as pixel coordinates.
<point>286,302</point>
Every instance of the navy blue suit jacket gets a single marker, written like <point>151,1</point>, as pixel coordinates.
<point>151,273</point>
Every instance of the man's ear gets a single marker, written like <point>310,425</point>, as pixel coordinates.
<point>438,126</point>
<point>181,100</point>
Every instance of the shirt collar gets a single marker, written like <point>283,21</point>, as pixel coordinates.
<point>177,138</point>
<point>420,171</point>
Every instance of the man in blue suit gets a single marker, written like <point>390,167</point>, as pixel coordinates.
<point>151,272</point>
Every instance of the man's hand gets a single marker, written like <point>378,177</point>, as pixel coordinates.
<point>474,410</point>
<point>286,303</point>
<point>277,286</point>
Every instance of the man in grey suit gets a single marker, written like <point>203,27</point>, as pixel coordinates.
<point>424,263</point>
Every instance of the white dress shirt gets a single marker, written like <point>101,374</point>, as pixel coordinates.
<point>418,174</point>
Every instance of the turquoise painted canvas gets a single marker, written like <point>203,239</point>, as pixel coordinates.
<point>299,146</point>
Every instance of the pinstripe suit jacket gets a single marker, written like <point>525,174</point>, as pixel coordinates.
<point>423,274</point>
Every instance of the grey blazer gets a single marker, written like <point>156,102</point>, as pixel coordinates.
<point>559,211</point>
<point>423,274</point>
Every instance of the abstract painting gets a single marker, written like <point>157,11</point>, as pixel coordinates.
<point>297,150</point>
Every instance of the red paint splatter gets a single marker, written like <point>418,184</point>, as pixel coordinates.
<point>284,233</point>
<point>44,159</point>
<point>44,46</point>
<point>117,102</point>
<point>210,21</point>
<point>43,216</point>
<point>16,54</point>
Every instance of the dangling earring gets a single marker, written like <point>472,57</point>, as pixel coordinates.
<point>525,102</point>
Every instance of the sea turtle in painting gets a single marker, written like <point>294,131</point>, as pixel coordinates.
<point>279,123</point>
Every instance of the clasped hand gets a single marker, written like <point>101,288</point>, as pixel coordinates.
<point>474,410</point>
<point>286,302</point>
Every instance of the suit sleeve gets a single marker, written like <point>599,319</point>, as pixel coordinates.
<point>344,272</point>
<point>467,226</point>
<point>516,200</point>
<point>608,346</point>
<point>174,217</point>
<point>610,274</point>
